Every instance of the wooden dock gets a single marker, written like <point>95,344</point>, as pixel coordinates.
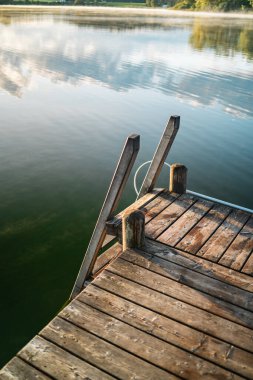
<point>171,299</point>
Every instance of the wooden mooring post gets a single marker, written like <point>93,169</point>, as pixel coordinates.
<point>133,229</point>
<point>178,178</point>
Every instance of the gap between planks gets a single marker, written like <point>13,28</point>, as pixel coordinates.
<point>93,349</point>
<point>177,310</point>
<point>161,236</point>
<point>188,294</point>
<point>199,264</point>
<point>142,344</point>
<point>168,330</point>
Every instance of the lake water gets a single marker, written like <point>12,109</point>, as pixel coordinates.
<point>73,85</point>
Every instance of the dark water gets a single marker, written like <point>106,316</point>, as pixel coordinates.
<point>72,87</point>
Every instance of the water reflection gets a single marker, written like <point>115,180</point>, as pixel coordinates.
<point>224,39</point>
<point>199,62</point>
<point>72,87</point>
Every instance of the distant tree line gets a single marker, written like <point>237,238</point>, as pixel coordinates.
<point>222,5</point>
<point>218,5</point>
<point>36,2</point>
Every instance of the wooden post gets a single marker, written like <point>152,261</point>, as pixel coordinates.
<point>117,185</point>
<point>133,229</point>
<point>178,178</point>
<point>160,155</point>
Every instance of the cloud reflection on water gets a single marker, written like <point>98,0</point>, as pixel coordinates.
<point>201,63</point>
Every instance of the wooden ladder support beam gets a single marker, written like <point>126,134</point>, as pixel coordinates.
<point>116,188</point>
<point>160,155</point>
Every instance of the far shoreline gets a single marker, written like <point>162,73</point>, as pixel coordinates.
<point>138,11</point>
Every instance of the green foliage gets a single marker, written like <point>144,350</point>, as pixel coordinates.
<point>111,3</point>
<point>184,4</point>
<point>152,3</point>
<point>220,5</point>
<point>204,4</point>
<point>222,39</point>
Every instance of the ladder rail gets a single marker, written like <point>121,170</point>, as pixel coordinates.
<point>119,179</point>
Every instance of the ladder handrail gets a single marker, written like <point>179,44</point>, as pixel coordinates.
<point>160,155</point>
<point>115,190</point>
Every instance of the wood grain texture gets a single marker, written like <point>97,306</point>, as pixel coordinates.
<point>133,229</point>
<point>17,369</point>
<point>141,344</point>
<point>106,257</point>
<point>108,239</point>
<point>114,224</point>
<point>178,178</point>
<point>100,353</point>
<point>197,237</point>
<point>238,252</point>
<point>158,312</point>
<point>248,267</point>
<point>185,276</point>
<point>169,330</point>
<point>58,363</point>
<point>224,235</point>
<point>160,155</point>
<point>168,216</point>
<point>199,264</point>
<point>162,201</point>
<point>172,286</point>
<point>117,185</point>
<point>182,226</point>
<point>180,311</point>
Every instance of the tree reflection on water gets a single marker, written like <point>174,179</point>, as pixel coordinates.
<point>224,39</point>
<point>200,61</point>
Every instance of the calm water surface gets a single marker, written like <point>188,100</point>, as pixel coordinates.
<point>72,87</point>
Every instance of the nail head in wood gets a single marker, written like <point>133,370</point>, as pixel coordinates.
<point>178,178</point>
<point>133,229</point>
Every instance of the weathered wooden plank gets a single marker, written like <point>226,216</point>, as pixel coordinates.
<point>115,190</point>
<point>106,257</point>
<point>17,369</point>
<point>160,155</point>
<point>108,239</point>
<point>180,311</point>
<point>173,287</point>
<point>168,216</point>
<point>199,264</point>
<point>139,343</point>
<point>100,353</point>
<point>58,363</point>
<point>248,267</point>
<point>238,252</point>
<point>169,330</point>
<point>183,225</point>
<point>197,237</point>
<point>144,201</point>
<point>113,225</point>
<point>154,208</point>
<point>166,286</point>
<point>223,236</point>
